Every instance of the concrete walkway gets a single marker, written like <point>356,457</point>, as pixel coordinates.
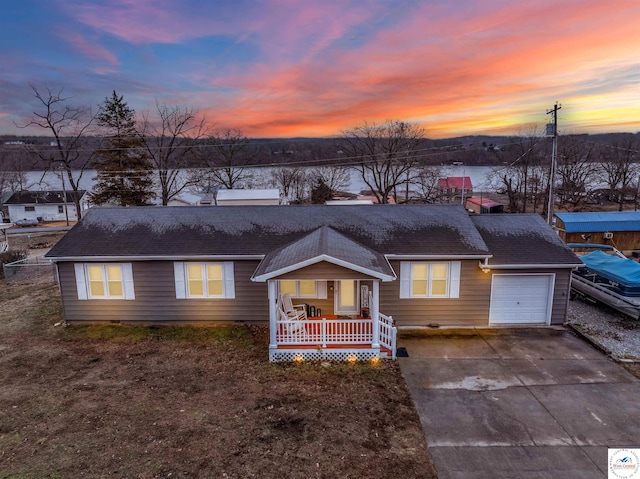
<point>519,403</point>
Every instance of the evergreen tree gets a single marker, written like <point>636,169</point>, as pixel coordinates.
<point>320,192</point>
<point>124,169</point>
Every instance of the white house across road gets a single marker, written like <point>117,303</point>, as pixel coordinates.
<point>43,205</point>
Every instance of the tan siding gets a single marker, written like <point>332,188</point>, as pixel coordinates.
<point>561,296</point>
<point>156,298</point>
<point>324,270</point>
<point>470,309</point>
<point>156,302</point>
<point>326,305</point>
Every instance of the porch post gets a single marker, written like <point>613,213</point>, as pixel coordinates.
<point>375,298</point>
<point>273,318</point>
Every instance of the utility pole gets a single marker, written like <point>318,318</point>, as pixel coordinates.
<point>64,196</point>
<point>552,130</point>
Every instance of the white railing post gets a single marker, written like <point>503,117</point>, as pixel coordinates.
<point>375,320</point>
<point>323,332</point>
<point>394,335</point>
<point>273,317</point>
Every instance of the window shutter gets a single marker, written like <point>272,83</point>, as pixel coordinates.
<point>321,289</point>
<point>229,284</point>
<point>81,281</point>
<point>178,273</point>
<point>127,276</point>
<point>405,279</point>
<point>454,287</point>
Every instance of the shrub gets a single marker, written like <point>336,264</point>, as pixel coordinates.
<point>10,257</point>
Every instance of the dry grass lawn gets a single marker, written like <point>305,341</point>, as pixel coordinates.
<point>117,401</point>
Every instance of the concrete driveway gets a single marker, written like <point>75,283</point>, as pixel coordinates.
<point>510,403</point>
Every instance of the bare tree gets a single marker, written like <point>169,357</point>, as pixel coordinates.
<point>385,155</point>
<point>426,182</point>
<point>70,125</point>
<point>577,171</point>
<point>170,137</point>
<point>292,182</point>
<point>12,174</point>
<point>336,178</point>
<point>620,169</point>
<point>227,158</point>
<point>524,175</point>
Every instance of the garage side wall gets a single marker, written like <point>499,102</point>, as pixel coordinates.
<point>560,291</point>
<point>155,298</point>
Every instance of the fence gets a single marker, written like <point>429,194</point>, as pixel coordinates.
<point>31,270</point>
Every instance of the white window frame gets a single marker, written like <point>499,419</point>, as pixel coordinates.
<point>83,287</point>
<point>406,279</point>
<point>320,289</point>
<point>182,279</point>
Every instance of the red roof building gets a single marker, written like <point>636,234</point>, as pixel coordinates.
<point>455,188</point>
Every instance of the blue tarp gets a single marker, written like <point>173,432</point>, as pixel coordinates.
<point>620,270</point>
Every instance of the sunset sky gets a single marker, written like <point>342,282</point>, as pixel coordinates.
<point>316,68</point>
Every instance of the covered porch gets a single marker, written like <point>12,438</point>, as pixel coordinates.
<point>335,285</point>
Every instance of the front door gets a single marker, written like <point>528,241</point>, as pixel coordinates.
<point>346,296</point>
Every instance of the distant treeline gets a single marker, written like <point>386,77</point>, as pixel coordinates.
<point>474,150</point>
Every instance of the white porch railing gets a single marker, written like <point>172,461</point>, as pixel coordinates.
<point>323,332</point>
<point>328,332</point>
<point>388,333</point>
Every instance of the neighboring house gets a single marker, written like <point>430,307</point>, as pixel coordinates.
<point>186,198</point>
<point>483,206</point>
<point>348,202</point>
<point>620,229</point>
<point>42,205</point>
<point>454,188</point>
<point>374,199</point>
<point>363,269</point>
<point>248,197</point>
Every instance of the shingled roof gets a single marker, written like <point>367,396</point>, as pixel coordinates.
<point>523,239</point>
<point>42,197</point>
<point>324,244</point>
<point>159,232</point>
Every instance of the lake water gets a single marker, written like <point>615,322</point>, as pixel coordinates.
<point>40,180</point>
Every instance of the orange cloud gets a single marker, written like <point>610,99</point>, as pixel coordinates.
<point>455,68</point>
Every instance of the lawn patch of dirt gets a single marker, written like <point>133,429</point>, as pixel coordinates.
<point>119,401</point>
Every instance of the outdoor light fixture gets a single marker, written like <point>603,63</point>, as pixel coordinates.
<point>484,266</point>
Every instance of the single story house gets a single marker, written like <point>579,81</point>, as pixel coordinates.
<point>483,206</point>
<point>186,198</point>
<point>360,270</point>
<point>620,229</point>
<point>43,205</point>
<point>269,196</point>
<point>454,188</point>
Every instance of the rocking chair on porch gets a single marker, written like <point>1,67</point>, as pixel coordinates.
<point>292,311</point>
<point>292,327</point>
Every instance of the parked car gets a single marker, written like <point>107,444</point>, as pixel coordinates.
<point>26,222</point>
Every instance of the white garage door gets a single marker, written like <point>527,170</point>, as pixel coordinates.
<point>521,298</point>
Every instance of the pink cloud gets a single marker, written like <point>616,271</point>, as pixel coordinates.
<point>455,64</point>
<point>93,51</point>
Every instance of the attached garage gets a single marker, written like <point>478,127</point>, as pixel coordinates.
<point>521,298</point>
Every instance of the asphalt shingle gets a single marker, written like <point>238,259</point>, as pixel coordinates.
<point>257,230</point>
<point>520,239</point>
